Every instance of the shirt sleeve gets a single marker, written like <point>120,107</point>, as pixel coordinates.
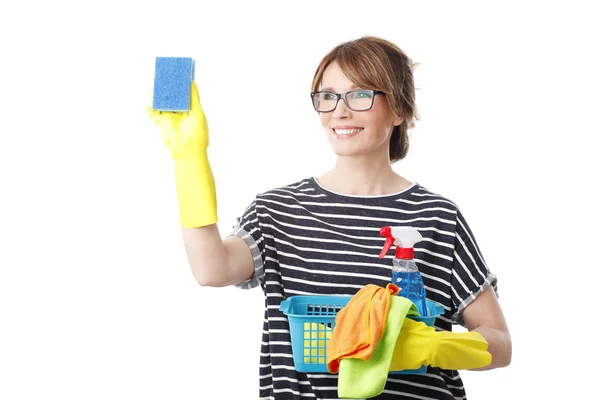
<point>470,274</point>
<point>247,227</point>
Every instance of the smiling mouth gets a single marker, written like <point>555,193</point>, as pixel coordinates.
<point>347,132</point>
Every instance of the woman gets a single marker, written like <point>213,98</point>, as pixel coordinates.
<point>321,235</point>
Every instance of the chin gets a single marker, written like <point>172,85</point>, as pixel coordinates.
<point>342,149</point>
<point>347,152</point>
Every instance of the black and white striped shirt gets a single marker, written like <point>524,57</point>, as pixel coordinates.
<point>307,240</point>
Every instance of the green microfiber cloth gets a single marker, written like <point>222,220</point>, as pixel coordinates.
<point>364,379</point>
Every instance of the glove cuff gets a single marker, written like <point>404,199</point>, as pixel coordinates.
<point>196,192</point>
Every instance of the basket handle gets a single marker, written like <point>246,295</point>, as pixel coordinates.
<point>284,306</point>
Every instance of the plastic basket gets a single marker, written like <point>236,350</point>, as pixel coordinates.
<point>312,319</point>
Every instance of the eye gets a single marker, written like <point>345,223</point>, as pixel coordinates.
<point>362,94</point>
<point>328,96</point>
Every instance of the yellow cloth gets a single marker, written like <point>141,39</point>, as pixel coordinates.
<point>419,344</point>
<point>185,134</point>
<point>360,325</point>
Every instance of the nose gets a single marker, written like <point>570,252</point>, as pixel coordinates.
<point>341,109</point>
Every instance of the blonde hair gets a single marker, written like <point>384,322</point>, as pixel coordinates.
<point>374,63</point>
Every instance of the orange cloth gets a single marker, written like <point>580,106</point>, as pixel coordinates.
<point>360,325</point>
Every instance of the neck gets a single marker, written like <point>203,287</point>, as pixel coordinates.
<point>358,176</point>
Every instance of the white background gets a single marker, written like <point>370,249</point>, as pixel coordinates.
<point>96,298</point>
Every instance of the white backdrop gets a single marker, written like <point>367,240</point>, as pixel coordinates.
<point>96,298</point>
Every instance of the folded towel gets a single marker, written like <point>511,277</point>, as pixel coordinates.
<point>360,325</point>
<point>419,344</point>
<point>364,379</point>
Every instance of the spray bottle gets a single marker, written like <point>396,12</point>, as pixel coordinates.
<point>405,273</point>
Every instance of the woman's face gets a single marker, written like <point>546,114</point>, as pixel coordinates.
<point>370,131</point>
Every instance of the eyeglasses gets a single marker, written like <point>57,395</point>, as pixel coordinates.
<point>356,100</point>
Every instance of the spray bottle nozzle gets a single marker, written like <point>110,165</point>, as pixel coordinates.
<point>386,231</point>
<point>404,237</point>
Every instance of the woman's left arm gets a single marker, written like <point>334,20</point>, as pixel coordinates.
<point>485,316</point>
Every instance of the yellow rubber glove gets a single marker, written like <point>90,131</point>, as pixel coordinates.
<point>419,344</point>
<point>185,134</point>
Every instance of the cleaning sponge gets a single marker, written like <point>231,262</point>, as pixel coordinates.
<point>172,83</point>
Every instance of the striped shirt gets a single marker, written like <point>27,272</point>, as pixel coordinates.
<point>307,240</point>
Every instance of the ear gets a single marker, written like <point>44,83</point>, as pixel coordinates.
<point>398,121</point>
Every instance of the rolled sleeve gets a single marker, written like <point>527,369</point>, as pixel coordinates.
<point>248,228</point>
<point>259,272</point>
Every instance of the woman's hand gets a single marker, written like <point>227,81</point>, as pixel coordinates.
<point>185,134</point>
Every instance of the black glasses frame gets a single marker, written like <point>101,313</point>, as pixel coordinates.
<point>343,96</point>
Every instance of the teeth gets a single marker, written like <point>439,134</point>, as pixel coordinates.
<point>347,131</point>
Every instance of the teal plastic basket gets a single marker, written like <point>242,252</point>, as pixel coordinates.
<point>312,319</point>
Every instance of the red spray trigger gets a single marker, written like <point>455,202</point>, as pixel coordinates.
<point>386,231</point>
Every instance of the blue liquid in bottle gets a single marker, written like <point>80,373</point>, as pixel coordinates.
<point>406,276</point>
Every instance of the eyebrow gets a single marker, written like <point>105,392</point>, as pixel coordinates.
<point>328,89</point>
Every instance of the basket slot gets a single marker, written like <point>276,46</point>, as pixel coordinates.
<point>322,309</point>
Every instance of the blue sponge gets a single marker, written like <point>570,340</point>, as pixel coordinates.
<point>172,81</point>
